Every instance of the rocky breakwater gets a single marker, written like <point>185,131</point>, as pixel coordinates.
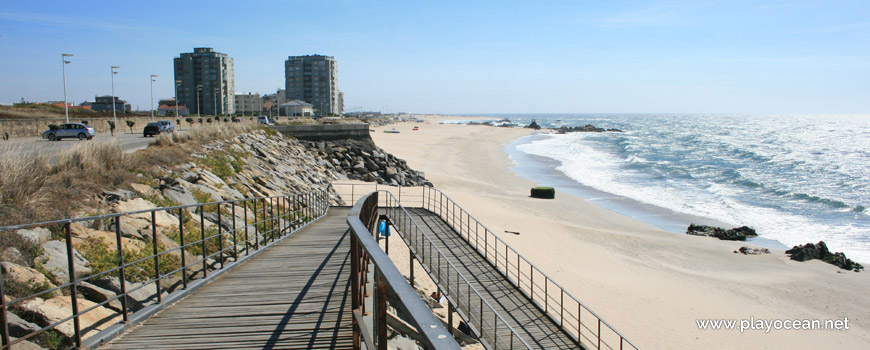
<point>363,160</point>
<point>255,164</point>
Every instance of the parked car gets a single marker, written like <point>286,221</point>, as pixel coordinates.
<point>151,129</point>
<point>265,120</point>
<point>69,130</point>
<point>166,126</point>
<point>236,120</point>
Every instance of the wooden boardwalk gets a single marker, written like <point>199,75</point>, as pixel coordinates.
<point>295,295</point>
<point>529,321</point>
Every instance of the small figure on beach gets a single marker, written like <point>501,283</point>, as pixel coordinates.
<point>6,135</point>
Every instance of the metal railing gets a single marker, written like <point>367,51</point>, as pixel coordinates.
<point>486,323</point>
<point>387,284</point>
<point>574,318</point>
<point>209,239</point>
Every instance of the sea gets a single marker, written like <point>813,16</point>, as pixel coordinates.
<point>795,179</point>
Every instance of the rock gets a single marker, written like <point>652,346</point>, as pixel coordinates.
<point>736,234</point>
<point>54,260</point>
<point>226,220</point>
<point>142,189</point>
<point>46,312</point>
<point>19,327</point>
<point>210,178</point>
<point>117,195</point>
<point>136,300</point>
<point>36,235</point>
<point>161,217</point>
<point>24,275</point>
<point>820,251</point>
<point>25,345</point>
<point>753,251</point>
<point>180,195</point>
<point>213,195</point>
<point>99,295</point>
<point>533,125</point>
<point>82,235</point>
<point>390,172</point>
<point>12,254</point>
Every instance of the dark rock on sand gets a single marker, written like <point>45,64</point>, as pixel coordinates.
<point>533,125</point>
<point>735,234</point>
<point>752,251</point>
<point>820,251</point>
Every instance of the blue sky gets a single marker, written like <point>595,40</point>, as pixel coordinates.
<point>464,57</point>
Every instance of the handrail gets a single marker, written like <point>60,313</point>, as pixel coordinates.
<point>437,205</point>
<point>405,223</point>
<point>274,218</point>
<point>387,281</point>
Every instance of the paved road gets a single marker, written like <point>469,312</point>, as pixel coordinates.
<point>28,146</point>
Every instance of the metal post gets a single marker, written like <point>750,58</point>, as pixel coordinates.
<point>411,255</point>
<point>121,265</point>
<point>381,312</point>
<point>73,281</point>
<point>599,333</point>
<point>181,234</point>
<point>355,287</point>
<point>220,236</point>
<point>561,308</point>
<point>245,206</point>
<point>63,64</point>
<point>114,114</point>
<point>256,229</point>
<point>450,309</point>
<point>156,257</point>
<point>152,95</point>
<point>235,234</point>
<point>4,332</point>
<point>546,294</point>
<point>202,241</point>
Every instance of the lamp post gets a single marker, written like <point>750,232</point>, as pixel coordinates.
<point>65,62</point>
<point>177,82</point>
<point>215,102</point>
<point>114,114</point>
<point>198,89</point>
<point>152,95</point>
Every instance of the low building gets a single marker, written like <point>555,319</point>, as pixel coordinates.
<point>249,104</point>
<point>166,109</point>
<point>295,108</point>
<point>104,104</point>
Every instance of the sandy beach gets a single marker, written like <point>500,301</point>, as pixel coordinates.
<point>651,285</point>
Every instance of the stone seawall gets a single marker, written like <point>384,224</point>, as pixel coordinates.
<point>325,132</point>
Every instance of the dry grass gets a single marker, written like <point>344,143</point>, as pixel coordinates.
<point>33,190</point>
<point>206,133</point>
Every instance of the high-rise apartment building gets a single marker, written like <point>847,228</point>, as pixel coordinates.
<point>313,79</point>
<point>211,73</point>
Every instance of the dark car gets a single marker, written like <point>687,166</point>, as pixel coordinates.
<point>70,130</point>
<point>152,129</point>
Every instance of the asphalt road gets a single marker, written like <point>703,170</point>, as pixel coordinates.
<point>33,146</point>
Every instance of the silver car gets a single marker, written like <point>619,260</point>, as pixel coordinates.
<point>70,130</point>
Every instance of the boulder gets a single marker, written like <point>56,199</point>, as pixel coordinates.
<point>99,295</point>
<point>820,251</point>
<point>735,234</point>
<point>24,275</point>
<point>136,300</point>
<point>19,327</point>
<point>25,345</point>
<point>213,195</point>
<point>82,235</point>
<point>36,235</point>
<point>12,254</point>
<point>210,178</point>
<point>117,195</point>
<point>752,251</point>
<point>161,218</point>
<point>46,312</point>
<point>180,195</point>
<point>142,188</point>
<point>54,260</point>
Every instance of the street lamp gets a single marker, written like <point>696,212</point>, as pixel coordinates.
<point>177,82</point>
<point>215,102</point>
<point>152,95</point>
<point>114,114</point>
<point>198,115</point>
<point>65,62</point>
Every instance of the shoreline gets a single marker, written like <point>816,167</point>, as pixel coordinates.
<point>544,170</point>
<point>650,284</point>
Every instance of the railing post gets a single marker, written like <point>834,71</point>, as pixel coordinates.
<point>235,233</point>
<point>156,257</point>
<point>220,236</point>
<point>599,333</point>
<point>181,235</point>
<point>546,294</point>
<point>561,307</point>
<point>123,281</point>
<point>450,309</point>
<point>579,325</point>
<point>355,287</point>
<point>256,229</point>
<point>4,332</point>
<point>202,241</point>
<point>381,311</point>
<point>70,259</point>
<point>245,219</point>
